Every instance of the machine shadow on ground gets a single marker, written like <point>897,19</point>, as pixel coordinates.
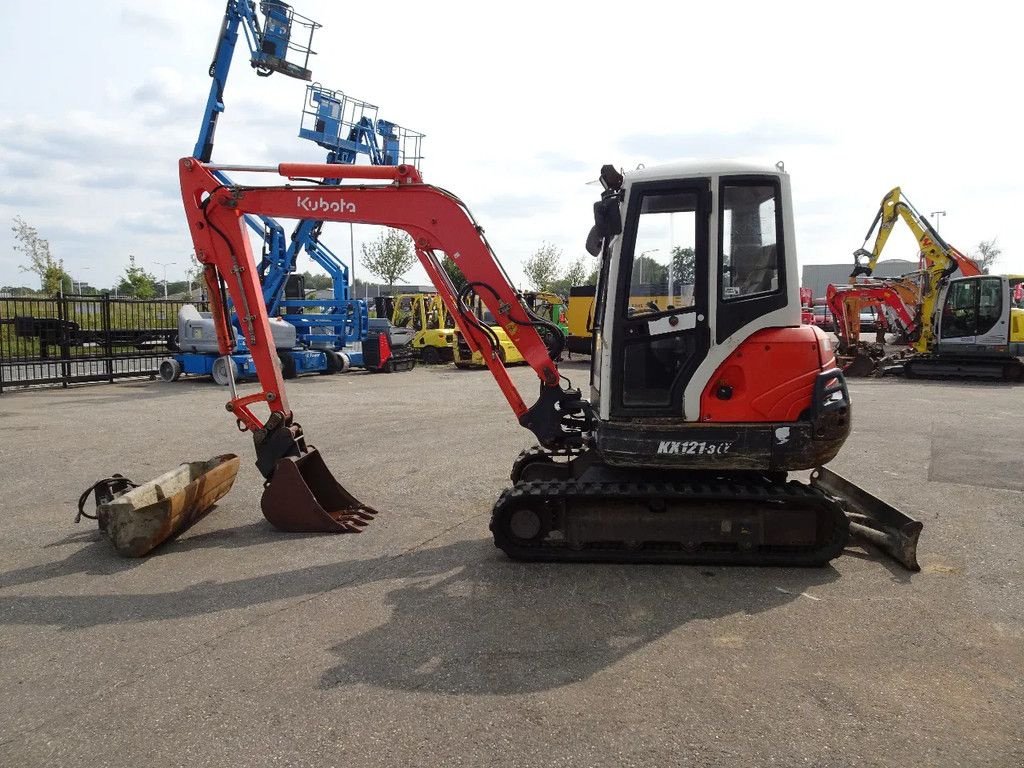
<point>462,618</point>
<point>477,623</point>
<point>98,557</point>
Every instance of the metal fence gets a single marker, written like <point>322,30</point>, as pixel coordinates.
<point>73,339</point>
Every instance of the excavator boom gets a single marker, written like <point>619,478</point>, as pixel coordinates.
<point>435,219</point>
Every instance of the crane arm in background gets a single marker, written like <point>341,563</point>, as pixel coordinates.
<point>941,260</point>
<point>269,49</point>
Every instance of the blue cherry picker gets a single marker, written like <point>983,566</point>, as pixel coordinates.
<point>313,335</point>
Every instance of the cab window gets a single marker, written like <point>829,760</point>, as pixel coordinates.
<point>749,240</point>
<point>990,303</point>
<point>662,276</point>
<point>959,315</point>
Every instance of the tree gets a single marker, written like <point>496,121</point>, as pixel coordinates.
<point>647,271</point>
<point>683,266</point>
<point>17,290</point>
<point>40,260</point>
<point>195,272</point>
<point>593,276</point>
<point>542,268</point>
<point>389,257</point>
<point>137,282</point>
<point>576,273</point>
<point>316,282</point>
<point>454,272</point>
<point>986,254</point>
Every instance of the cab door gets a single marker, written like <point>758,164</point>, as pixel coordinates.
<point>661,333</point>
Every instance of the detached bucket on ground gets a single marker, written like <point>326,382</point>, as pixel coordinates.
<point>150,514</point>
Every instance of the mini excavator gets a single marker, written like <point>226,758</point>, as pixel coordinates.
<point>959,327</point>
<point>699,406</point>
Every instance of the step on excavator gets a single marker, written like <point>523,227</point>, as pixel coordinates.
<point>698,409</point>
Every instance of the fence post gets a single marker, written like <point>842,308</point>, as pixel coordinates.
<point>108,347</point>
<point>3,315</point>
<point>65,348</point>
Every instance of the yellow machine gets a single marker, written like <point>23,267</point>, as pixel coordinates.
<point>580,316</point>
<point>549,307</point>
<point>941,260</point>
<point>969,326</point>
<point>434,328</point>
<point>507,351</point>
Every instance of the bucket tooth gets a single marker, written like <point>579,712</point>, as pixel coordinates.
<point>872,519</point>
<point>303,497</point>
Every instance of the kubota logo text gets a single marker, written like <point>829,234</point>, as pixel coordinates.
<point>310,205</point>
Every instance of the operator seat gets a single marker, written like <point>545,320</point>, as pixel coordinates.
<point>755,269</point>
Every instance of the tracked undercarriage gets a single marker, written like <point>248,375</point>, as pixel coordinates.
<point>570,506</point>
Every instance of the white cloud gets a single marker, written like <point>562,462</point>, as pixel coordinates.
<point>521,105</point>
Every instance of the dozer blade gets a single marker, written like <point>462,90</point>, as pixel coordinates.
<point>872,519</point>
<point>303,497</point>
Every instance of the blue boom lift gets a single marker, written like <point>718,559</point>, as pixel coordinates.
<point>347,128</point>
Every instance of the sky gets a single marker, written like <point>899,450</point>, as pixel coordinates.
<point>521,104</point>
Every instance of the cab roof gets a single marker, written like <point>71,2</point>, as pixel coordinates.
<point>695,168</point>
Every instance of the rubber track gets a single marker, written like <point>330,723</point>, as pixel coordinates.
<point>932,368</point>
<point>536,495</point>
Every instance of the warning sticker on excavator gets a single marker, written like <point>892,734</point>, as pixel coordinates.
<point>694,447</point>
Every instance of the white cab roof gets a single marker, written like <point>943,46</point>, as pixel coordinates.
<point>691,168</point>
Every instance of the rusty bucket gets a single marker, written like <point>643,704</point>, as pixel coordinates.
<point>303,497</point>
<point>149,514</point>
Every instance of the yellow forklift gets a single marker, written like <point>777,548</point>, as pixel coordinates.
<point>580,319</point>
<point>425,314</point>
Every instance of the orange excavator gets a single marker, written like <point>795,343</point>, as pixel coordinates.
<point>698,409</point>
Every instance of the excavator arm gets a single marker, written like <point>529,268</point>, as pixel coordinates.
<point>846,302</point>
<point>941,259</point>
<point>393,196</point>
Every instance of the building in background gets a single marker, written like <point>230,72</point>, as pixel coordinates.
<point>818,276</point>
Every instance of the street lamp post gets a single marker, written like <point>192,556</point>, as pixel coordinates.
<point>80,282</point>
<point>640,259</point>
<point>165,265</point>
<point>936,215</point>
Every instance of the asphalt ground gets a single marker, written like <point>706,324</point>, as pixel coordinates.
<point>418,643</point>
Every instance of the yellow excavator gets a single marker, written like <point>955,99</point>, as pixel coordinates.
<point>961,327</point>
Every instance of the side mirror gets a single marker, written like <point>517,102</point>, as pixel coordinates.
<point>607,217</point>
<point>607,223</point>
